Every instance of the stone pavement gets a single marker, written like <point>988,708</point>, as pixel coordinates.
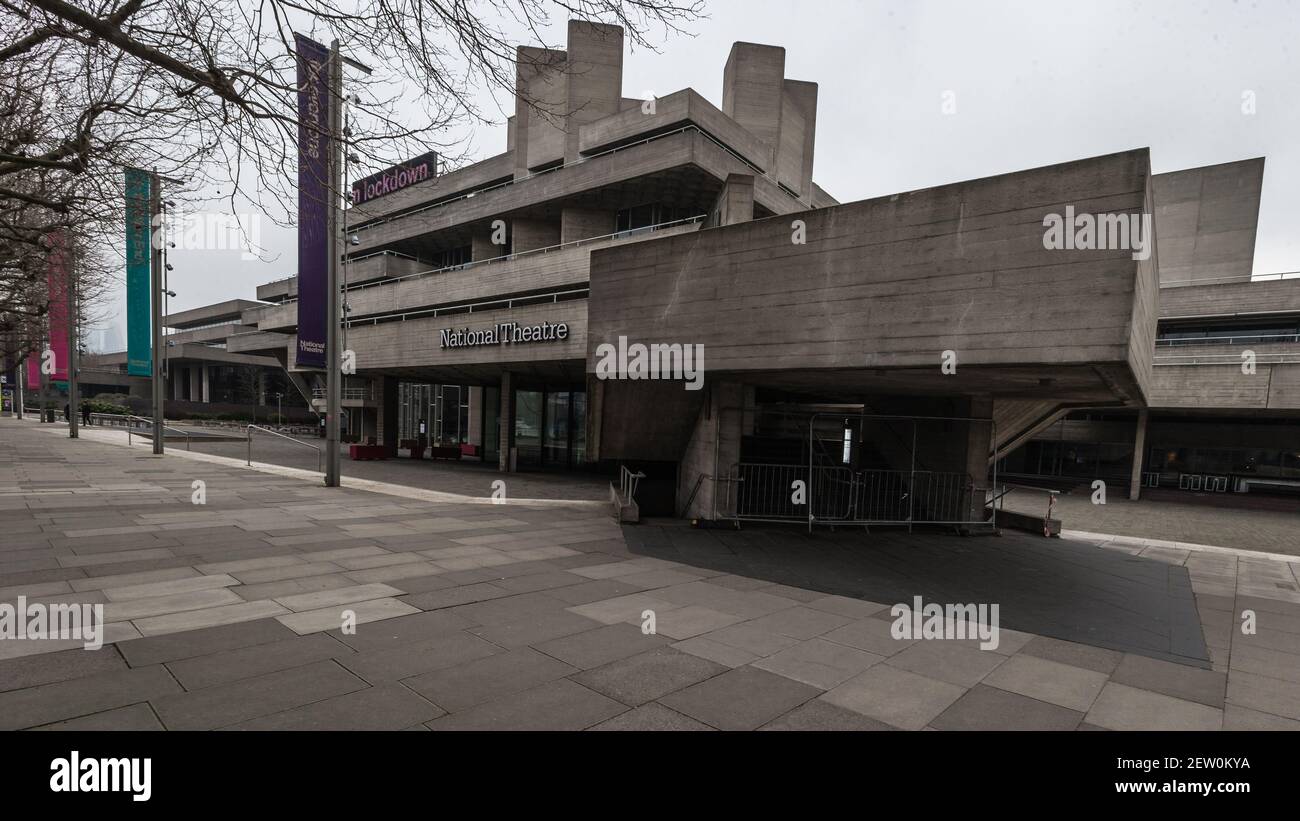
<point>479,616</point>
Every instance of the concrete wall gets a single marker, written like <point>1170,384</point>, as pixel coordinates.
<point>1206,220</point>
<point>1225,387</point>
<point>1231,299</point>
<point>527,234</point>
<point>582,223</point>
<point>891,283</point>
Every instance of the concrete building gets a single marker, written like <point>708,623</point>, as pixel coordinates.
<point>1221,415</point>
<point>203,375</point>
<point>894,356</point>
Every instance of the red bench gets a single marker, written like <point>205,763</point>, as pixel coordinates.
<point>360,452</point>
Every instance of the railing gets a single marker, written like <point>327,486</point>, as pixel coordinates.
<point>1239,278</point>
<point>129,423</point>
<point>469,307</point>
<point>318,392</point>
<point>627,482</point>
<point>1235,339</point>
<point>840,495</point>
<point>319,452</point>
<point>1224,359</point>
<point>1051,502</point>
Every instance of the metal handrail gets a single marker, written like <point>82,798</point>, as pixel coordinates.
<point>1262,339</point>
<point>319,452</point>
<point>1224,359</point>
<point>1051,502</point>
<point>1273,277</point>
<point>147,422</point>
<point>628,481</point>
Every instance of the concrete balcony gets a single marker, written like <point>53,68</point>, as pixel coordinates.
<point>454,183</point>
<point>541,269</point>
<point>690,148</point>
<point>1233,298</point>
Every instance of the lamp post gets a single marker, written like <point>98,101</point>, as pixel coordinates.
<point>336,221</point>
<point>155,305</point>
<point>74,358</point>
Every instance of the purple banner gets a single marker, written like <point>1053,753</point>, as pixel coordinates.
<point>313,200</point>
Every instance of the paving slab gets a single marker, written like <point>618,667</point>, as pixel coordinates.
<point>988,708</point>
<point>648,676</point>
<point>557,705</point>
<point>745,698</point>
<point>895,697</point>
<point>1120,707</point>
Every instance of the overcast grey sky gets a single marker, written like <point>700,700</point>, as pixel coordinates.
<point>1035,82</point>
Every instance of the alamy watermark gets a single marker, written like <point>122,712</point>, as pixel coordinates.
<point>655,361</point>
<point>1098,232</point>
<point>58,620</point>
<point>950,621</point>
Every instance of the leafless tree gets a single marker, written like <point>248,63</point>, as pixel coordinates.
<point>206,91</point>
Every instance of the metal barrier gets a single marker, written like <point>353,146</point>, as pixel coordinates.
<point>319,452</point>
<point>839,495</point>
<point>832,489</point>
<point>131,422</point>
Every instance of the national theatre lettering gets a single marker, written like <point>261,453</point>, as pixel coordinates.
<point>504,333</point>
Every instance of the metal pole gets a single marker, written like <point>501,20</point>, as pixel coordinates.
<point>911,481</point>
<point>155,302</point>
<point>333,356</point>
<point>20,391</point>
<point>74,361</point>
<point>45,384</point>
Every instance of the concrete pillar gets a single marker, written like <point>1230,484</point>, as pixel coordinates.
<point>753,85</point>
<point>540,100</point>
<point>530,234</point>
<point>711,452</point>
<point>206,384</point>
<point>582,223</point>
<point>506,434</point>
<point>177,375</point>
<point>388,432</point>
<point>594,80</point>
<point>196,384</point>
<point>474,435</point>
<point>794,161</point>
<point>979,442</point>
<point>481,248</point>
<point>735,202</point>
<point>1139,446</point>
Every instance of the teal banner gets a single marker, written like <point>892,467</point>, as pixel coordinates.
<point>139,330</point>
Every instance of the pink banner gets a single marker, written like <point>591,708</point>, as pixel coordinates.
<point>56,318</point>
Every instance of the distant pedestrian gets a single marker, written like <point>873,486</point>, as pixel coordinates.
<point>85,414</point>
<point>67,416</point>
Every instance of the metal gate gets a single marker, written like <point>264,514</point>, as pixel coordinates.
<point>853,493</point>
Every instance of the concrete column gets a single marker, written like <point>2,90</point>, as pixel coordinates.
<point>177,375</point>
<point>207,385</point>
<point>481,248</point>
<point>474,435</point>
<point>196,384</point>
<point>1139,445</point>
<point>387,417</point>
<point>506,434</point>
<point>979,441</point>
<point>713,449</point>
